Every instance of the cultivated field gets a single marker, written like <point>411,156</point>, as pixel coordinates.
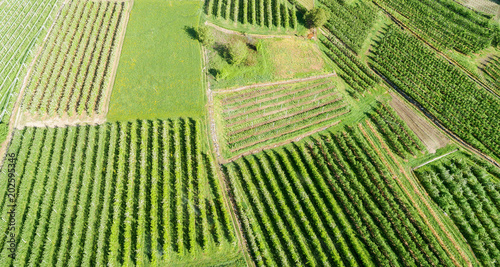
<point>467,190</point>
<point>430,136</point>
<point>329,200</point>
<point>120,193</point>
<point>73,73</point>
<point>491,70</point>
<point>23,23</point>
<point>254,117</point>
<point>159,75</point>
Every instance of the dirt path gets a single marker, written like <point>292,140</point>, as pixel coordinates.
<point>421,197</point>
<point>432,160</point>
<point>261,36</point>
<point>430,136</point>
<point>257,85</point>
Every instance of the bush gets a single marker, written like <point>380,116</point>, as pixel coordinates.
<point>205,36</point>
<point>316,17</point>
<point>237,51</point>
<point>251,59</point>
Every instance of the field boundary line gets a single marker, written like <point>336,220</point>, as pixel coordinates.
<point>219,161</point>
<point>432,160</point>
<point>114,68</point>
<point>257,85</point>
<point>422,198</point>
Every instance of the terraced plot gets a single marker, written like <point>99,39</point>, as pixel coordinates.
<point>123,193</point>
<point>72,75</point>
<point>258,116</point>
<point>491,71</point>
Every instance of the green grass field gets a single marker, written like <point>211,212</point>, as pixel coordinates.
<point>159,75</point>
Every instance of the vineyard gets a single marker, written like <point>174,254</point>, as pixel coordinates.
<point>22,25</point>
<point>72,74</point>
<point>258,116</point>
<point>469,193</point>
<point>329,201</point>
<point>438,87</point>
<point>262,13</point>
<point>445,23</point>
<point>350,22</point>
<point>122,193</point>
<point>491,70</point>
<point>355,73</point>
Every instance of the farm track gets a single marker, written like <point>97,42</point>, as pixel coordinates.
<point>262,36</point>
<point>278,111</point>
<point>434,159</point>
<point>281,102</point>
<point>419,193</point>
<point>290,116</point>
<point>449,59</point>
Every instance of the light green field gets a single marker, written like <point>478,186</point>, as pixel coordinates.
<point>159,75</point>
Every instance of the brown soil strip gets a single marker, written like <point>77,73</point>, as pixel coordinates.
<point>285,117</point>
<point>65,121</point>
<point>296,139</point>
<point>262,36</point>
<point>254,94</point>
<point>278,111</point>
<point>430,136</point>
<point>257,85</point>
<point>422,198</point>
<point>279,103</point>
<point>265,99</point>
<point>287,132</point>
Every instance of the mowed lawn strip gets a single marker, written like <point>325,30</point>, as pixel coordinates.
<point>159,75</point>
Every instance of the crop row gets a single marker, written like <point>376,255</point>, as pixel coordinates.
<point>491,69</point>
<point>446,23</point>
<point>356,74</point>
<point>264,13</point>
<point>23,24</point>
<point>399,137</point>
<point>120,193</point>
<point>468,194</point>
<point>327,201</point>
<point>442,89</point>
<point>73,70</point>
<point>350,23</point>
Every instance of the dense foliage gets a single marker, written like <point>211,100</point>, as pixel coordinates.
<point>257,116</point>
<point>355,73</point>
<point>470,195</point>
<point>328,201</point>
<point>121,193</point>
<point>350,22</point>
<point>445,23</point>
<point>441,88</point>
<point>400,138</point>
<point>73,71</point>
<point>264,13</point>
<point>316,17</point>
<point>491,71</point>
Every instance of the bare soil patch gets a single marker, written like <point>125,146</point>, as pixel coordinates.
<point>432,138</point>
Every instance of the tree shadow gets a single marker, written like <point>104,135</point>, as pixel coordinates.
<point>191,31</point>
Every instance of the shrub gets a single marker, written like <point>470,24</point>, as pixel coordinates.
<point>205,36</point>
<point>316,17</point>
<point>237,51</point>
